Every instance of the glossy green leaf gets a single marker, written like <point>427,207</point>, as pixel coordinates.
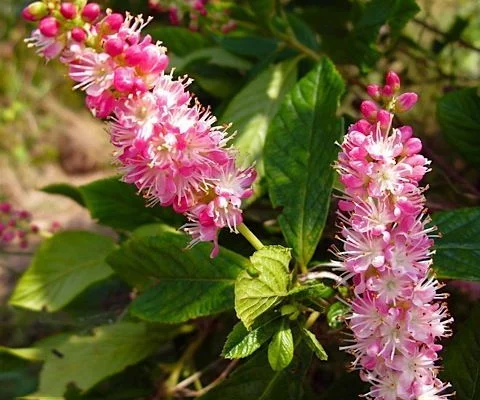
<point>299,150</point>
<point>458,248</point>
<point>280,349</point>
<point>458,113</point>
<point>87,360</point>
<point>64,189</point>
<point>242,343</point>
<point>253,108</point>
<point>314,345</point>
<point>462,359</point>
<point>62,268</point>
<point>264,285</point>
<point>183,284</point>
<point>117,204</point>
<point>263,9</point>
<point>256,380</point>
<point>214,56</point>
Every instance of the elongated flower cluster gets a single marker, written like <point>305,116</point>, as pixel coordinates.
<point>16,227</point>
<point>396,317</point>
<point>214,13</point>
<point>166,143</point>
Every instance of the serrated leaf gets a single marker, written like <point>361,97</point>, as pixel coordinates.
<point>87,360</point>
<point>64,189</point>
<point>257,294</point>
<point>280,349</point>
<point>458,248</point>
<point>183,284</point>
<point>458,113</point>
<point>253,108</point>
<point>299,150</point>
<point>462,359</point>
<point>314,344</point>
<point>242,343</point>
<point>117,204</point>
<point>256,380</point>
<point>63,266</point>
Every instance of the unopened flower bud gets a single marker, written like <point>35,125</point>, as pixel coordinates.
<point>387,92</point>
<point>405,102</point>
<point>49,27</point>
<point>68,10</point>
<point>114,46</point>
<point>374,92</point>
<point>35,11</point>
<point>385,118</point>
<point>124,79</point>
<point>369,110</point>
<point>78,34</point>
<point>90,12</point>
<point>393,80</point>
<point>112,23</point>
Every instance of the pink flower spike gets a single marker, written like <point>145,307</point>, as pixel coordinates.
<point>405,102</point>
<point>49,27</point>
<point>91,12</point>
<point>68,10</point>
<point>393,80</point>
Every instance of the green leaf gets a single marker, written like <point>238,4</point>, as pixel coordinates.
<point>64,189</point>
<point>186,283</point>
<point>214,56</point>
<point>62,268</point>
<point>248,46</point>
<point>462,359</point>
<point>242,343</point>
<point>87,360</point>
<point>117,204</point>
<point>458,248</point>
<point>336,314</point>
<point>299,150</point>
<point>315,290</point>
<point>181,41</point>
<point>254,107</point>
<point>280,349</point>
<point>263,9</point>
<point>256,380</point>
<point>314,344</point>
<point>257,294</point>
<point>459,116</point>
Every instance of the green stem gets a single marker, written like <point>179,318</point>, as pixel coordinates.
<point>249,235</point>
<point>311,319</point>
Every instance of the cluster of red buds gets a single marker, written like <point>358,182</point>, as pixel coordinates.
<point>16,226</point>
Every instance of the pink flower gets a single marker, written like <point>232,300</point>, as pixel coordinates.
<point>396,318</point>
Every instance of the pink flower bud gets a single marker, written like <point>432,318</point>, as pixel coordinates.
<point>384,117</point>
<point>174,16</point>
<point>34,228</point>
<point>373,91</point>
<point>133,55</point>
<point>413,146</point>
<point>369,110</point>
<point>101,106</point>
<point>153,60</point>
<point>405,102</point>
<point>406,132</point>
<point>113,22</point>
<point>387,92</point>
<point>393,80</point>
<point>78,34</point>
<point>124,79</point>
<point>114,46</point>
<point>140,85</point>
<point>68,10</point>
<point>5,207</point>
<point>49,27</point>
<point>35,11</point>
<point>90,12</point>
